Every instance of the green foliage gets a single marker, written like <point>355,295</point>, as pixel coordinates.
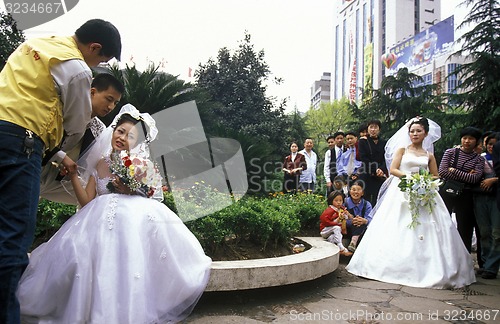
<point>307,207</point>
<point>236,81</point>
<point>10,37</point>
<point>152,91</point>
<point>50,217</point>
<point>295,130</point>
<point>258,156</point>
<point>198,200</point>
<point>328,119</point>
<point>399,99</point>
<point>168,200</point>
<point>271,220</point>
<point>479,76</point>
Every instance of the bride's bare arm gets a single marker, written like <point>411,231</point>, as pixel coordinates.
<point>84,195</point>
<point>396,163</point>
<point>433,168</point>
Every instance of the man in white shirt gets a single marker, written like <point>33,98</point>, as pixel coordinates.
<point>335,144</point>
<point>308,176</point>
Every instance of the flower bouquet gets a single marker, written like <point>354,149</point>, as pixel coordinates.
<point>139,174</point>
<point>420,189</point>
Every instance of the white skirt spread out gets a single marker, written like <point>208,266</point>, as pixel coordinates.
<point>431,255</point>
<point>120,259</point>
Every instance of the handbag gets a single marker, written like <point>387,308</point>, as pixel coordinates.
<point>453,188</point>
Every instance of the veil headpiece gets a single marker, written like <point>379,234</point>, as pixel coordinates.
<point>402,139</point>
<point>101,146</point>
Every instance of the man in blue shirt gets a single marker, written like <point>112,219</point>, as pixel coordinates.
<point>360,208</point>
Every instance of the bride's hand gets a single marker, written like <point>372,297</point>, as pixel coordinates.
<point>120,187</point>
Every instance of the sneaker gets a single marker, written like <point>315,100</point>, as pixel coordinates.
<point>351,248</point>
<point>345,253</point>
<point>488,275</point>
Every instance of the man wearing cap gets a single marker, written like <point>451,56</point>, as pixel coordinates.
<point>45,87</point>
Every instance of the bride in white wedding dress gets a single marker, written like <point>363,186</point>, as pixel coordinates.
<point>122,258</point>
<point>430,255</point>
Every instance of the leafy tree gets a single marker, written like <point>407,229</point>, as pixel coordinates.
<point>237,82</point>
<point>10,37</point>
<point>327,119</point>
<point>295,130</point>
<point>479,77</point>
<point>400,98</point>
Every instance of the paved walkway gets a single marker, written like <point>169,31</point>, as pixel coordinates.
<point>343,298</point>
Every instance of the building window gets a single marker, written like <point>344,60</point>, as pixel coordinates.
<point>453,83</point>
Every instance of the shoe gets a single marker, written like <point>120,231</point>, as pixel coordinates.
<point>479,271</point>
<point>345,253</point>
<point>488,275</point>
<point>351,248</point>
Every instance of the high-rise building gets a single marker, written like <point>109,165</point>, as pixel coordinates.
<point>320,90</point>
<point>364,30</point>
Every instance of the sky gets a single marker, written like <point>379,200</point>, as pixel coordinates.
<point>296,35</point>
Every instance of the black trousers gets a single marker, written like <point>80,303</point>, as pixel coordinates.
<point>463,206</point>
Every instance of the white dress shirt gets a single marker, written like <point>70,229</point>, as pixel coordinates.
<point>309,175</point>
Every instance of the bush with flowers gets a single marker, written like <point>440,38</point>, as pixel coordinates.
<point>139,174</point>
<point>420,189</point>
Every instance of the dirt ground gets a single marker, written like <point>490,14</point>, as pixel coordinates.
<point>246,250</point>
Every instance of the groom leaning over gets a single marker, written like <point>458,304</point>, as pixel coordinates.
<point>105,93</point>
<point>45,81</point>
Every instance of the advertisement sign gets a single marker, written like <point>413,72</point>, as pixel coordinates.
<point>368,64</point>
<point>421,49</point>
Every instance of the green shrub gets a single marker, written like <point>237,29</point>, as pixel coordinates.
<point>50,217</point>
<point>273,219</point>
<point>264,221</point>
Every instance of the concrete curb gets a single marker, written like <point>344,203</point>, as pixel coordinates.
<point>322,258</point>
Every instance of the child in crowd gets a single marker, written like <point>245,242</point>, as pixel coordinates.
<point>333,221</point>
<point>359,207</point>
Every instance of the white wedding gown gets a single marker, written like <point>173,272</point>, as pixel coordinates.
<point>431,255</point>
<point>121,259</point>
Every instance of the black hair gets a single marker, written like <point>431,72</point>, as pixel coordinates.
<point>492,135</point>
<point>420,121</point>
<point>334,194</point>
<point>358,183</point>
<point>102,32</point>
<point>338,134</point>
<point>330,137</point>
<point>374,122</point>
<point>293,142</point>
<point>486,134</point>
<point>103,81</point>
<point>472,131</point>
<point>351,133</point>
<point>363,128</point>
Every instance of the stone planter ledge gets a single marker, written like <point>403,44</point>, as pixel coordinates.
<point>322,258</point>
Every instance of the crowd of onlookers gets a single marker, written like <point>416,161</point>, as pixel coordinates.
<point>355,167</point>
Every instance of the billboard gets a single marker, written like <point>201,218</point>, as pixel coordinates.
<point>421,49</point>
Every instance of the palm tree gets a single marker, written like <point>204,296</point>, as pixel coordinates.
<point>152,91</point>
